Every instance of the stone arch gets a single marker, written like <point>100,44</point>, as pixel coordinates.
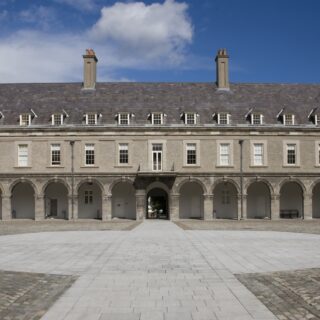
<point>258,200</point>
<point>158,185</point>
<point>123,200</point>
<point>23,194</point>
<point>115,182</point>
<point>191,179</point>
<point>90,194</point>
<point>299,182</point>
<point>291,199</point>
<point>90,181</point>
<point>316,199</point>
<point>191,201</point>
<point>59,180</point>
<point>157,206</point>
<point>225,199</point>
<point>224,180</point>
<point>23,180</point>
<point>265,181</point>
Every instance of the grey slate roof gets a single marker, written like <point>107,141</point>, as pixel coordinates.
<point>171,98</point>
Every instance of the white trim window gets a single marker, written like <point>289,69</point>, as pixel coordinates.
<point>57,119</point>
<point>291,154</point>
<point>55,154</point>
<point>223,118</point>
<point>190,118</point>
<point>123,153</point>
<point>317,153</point>
<point>224,154</point>
<point>191,153</point>
<point>89,154</point>
<point>25,119</point>
<point>124,119</point>
<point>157,118</point>
<point>23,155</point>
<point>88,196</point>
<point>256,119</point>
<point>258,154</point>
<point>316,120</point>
<point>91,119</point>
<point>157,150</point>
<point>288,119</point>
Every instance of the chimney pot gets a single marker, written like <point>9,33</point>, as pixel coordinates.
<point>222,69</point>
<point>89,69</point>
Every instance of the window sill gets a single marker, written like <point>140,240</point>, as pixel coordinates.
<point>191,166</point>
<point>219,166</point>
<point>86,167</point>
<point>258,166</point>
<point>20,167</point>
<point>58,167</point>
<point>123,166</point>
<point>291,166</point>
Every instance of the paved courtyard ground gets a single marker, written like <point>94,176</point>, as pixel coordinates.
<point>160,271</point>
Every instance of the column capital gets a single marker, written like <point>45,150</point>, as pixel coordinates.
<point>275,196</point>
<point>141,193</point>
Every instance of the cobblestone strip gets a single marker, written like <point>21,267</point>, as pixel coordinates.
<point>27,296</point>
<point>289,295</point>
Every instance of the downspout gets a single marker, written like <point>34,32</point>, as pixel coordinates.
<point>241,178</point>
<point>72,178</point>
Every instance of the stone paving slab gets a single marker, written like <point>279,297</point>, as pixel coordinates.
<point>289,295</point>
<point>27,296</point>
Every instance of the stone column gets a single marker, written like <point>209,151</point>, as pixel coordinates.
<point>141,204</point>
<point>208,206</point>
<point>6,208</point>
<point>307,207</point>
<point>75,207</point>
<point>174,207</point>
<point>39,207</point>
<point>275,207</point>
<point>244,207</point>
<point>107,208</point>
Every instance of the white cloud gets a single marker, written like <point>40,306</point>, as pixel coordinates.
<point>127,35</point>
<point>42,16</point>
<point>79,4</point>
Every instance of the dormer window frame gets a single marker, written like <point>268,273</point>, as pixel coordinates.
<point>153,114</point>
<point>124,121</point>
<point>316,120</point>
<point>53,119</point>
<point>227,119</point>
<point>88,118</point>
<point>285,121</point>
<point>193,119</point>
<point>254,120</point>
<point>1,115</point>
<point>25,122</point>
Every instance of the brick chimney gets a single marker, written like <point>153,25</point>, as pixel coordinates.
<point>89,69</point>
<point>222,67</point>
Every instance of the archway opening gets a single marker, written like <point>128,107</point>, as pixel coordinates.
<point>89,201</point>
<point>225,201</point>
<point>316,202</point>
<point>56,201</point>
<point>291,201</point>
<point>124,201</point>
<point>191,201</point>
<point>22,201</point>
<point>157,204</point>
<point>258,201</point>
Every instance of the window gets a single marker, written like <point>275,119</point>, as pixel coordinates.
<point>57,119</point>
<point>291,153</point>
<point>23,155</point>
<point>316,120</point>
<point>258,154</point>
<point>55,155</point>
<point>225,197</point>
<point>25,119</point>
<point>124,119</point>
<point>288,119</point>
<point>318,154</point>
<point>123,153</point>
<point>191,153</point>
<point>91,119</point>
<point>223,118</point>
<point>256,119</point>
<point>157,118</point>
<point>88,197</point>
<point>157,156</point>
<point>225,154</point>
<point>89,150</point>
<point>190,118</point>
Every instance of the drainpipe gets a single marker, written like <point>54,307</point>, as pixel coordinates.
<point>241,178</point>
<point>72,178</point>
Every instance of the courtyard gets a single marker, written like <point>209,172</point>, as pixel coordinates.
<point>160,270</point>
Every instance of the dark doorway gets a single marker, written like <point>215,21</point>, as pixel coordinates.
<point>53,207</point>
<point>157,204</point>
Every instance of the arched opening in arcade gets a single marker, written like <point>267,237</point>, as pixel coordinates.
<point>225,201</point>
<point>258,201</point>
<point>157,204</point>
<point>89,201</point>
<point>22,201</point>
<point>191,201</point>
<point>291,201</point>
<point>316,201</point>
<point>56,201</point>
<point>123,201</point>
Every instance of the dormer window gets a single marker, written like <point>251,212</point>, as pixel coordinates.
<point>91,119</point>
<point>316,120</point>
<point>1,115</point>
<point>124,119</point>
<point>57,119</point>
<point>25,119</point>
<point>157,118</point>
<point>288,119</point>
<point>223,118</point>
<point>190,118</point>
<point>256,118</point>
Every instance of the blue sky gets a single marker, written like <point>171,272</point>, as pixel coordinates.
<point>268,41</point>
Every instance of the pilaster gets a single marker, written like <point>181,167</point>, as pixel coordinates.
<point>174,207</point>
<point>307,207</point>
<point>39,207</point>
<point>107,208</point>
<point>6,208</point>
<point>275,207</point>
<point>141,204</point>
<point>208,207</point>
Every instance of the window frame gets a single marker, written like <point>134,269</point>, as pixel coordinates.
<point>121,144</point>
<point>22,124</point>
<point>127,114</point>
<point>231,156</point>
<point>253,115</point>
<point>264,153</point>
<point>88,120</point>
<point>164,154</point>
<point>87,147</point>
<point>285,153</point>
<point>27,145</point>
<point>227,118</point>
<point>52,164</point>
<point>285,119</point>
<point>153,119</point>
<point>186,120</point>
<point>53,119</point>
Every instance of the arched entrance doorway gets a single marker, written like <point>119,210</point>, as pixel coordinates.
<point>22,201</point>
<point>258,201</point>
<point>56,200</point>
<point>291,200</point>
<point>316,202</point>
<point>157,204</point>
<point>191,201</point>
<point>123,201</point>
<point>89,201</point>
<point>225,201</point>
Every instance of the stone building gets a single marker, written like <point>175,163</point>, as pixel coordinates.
<point>159,150</point>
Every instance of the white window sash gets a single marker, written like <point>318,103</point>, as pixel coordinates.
<point>23,155</point>
<point>224,155</point>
